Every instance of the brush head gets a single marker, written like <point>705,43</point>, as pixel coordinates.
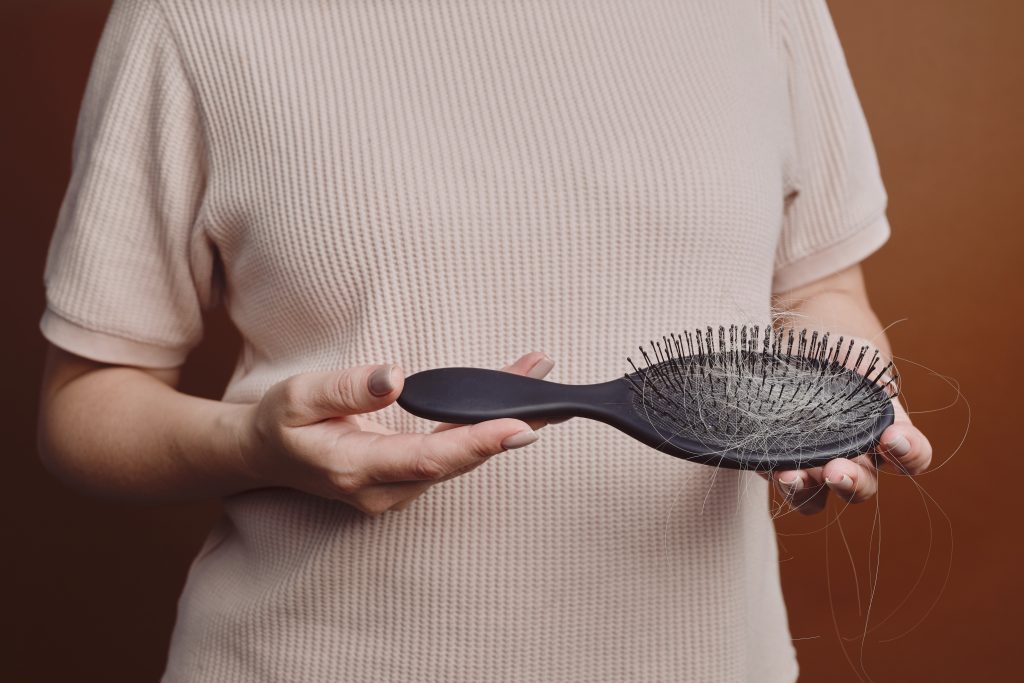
<point>779,400</point>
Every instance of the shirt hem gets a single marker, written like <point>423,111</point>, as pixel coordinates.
<point>849,251</point>
<point>106,348</point>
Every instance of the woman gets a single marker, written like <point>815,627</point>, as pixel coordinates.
<point>379,188</point>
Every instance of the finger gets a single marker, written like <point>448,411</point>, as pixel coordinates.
<point>854,480</point>
<point>540,370</point>
<point>316,396</point>
<point>433,456</point>
<point>375,500</point>
<point>804,490</point>
<point>424,486</point>
<point>401,505</point>
<point>368,425</point>
<point>445,426</point>
<point>536,364</point>
<point>418,489</point>
<point>906,448</point>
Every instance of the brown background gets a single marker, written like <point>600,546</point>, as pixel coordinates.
<point>91,586</point>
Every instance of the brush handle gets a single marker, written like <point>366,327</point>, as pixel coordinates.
<point>470,395</point>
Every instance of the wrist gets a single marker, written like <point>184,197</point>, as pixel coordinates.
<point>242,444</point>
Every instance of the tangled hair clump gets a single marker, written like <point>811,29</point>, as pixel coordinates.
<point>777,396</point>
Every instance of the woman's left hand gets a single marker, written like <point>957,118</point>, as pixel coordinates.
<point>855,480</point>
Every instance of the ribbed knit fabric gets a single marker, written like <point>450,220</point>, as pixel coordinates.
<point>459,182</point>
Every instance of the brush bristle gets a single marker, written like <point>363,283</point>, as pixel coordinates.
<point>767,396</point>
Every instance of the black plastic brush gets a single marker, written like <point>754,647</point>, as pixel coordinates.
<point>777,401</point>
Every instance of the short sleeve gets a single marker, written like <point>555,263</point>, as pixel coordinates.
<point>836,203</point>
<point>129,269</point>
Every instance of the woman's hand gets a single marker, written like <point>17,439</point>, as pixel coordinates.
<point>856,480</point>
<point>310,433</point>
<point>839,302</point>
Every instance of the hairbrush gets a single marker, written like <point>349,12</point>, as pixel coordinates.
<point>743,400</point>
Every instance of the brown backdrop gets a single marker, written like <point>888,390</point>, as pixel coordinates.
<point>91,586</point>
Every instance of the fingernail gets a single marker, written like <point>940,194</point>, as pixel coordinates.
<point>844,484</point>
<point>898,446</point>
<point>541,367</point>
<point>792,486</point>
<point>520,439</point>
<point>382,380</point>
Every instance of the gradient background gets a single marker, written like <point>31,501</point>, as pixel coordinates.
<point>90,587</point>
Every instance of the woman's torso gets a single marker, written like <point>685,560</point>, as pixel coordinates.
<point>458,183</point>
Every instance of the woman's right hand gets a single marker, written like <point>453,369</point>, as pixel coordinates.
<point>309,433</point>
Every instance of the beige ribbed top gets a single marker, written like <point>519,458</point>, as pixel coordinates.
<point>458,182</point>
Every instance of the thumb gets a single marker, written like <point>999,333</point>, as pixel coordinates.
<point>317,396</point>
